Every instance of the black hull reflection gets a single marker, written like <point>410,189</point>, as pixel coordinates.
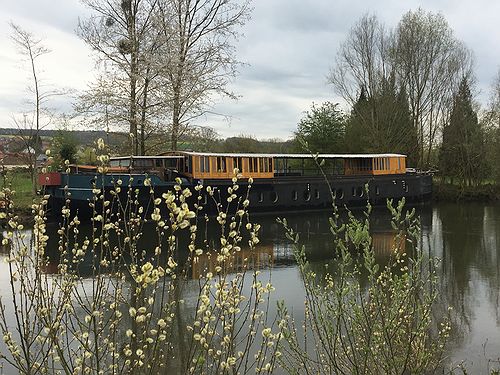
<point>272,250</point>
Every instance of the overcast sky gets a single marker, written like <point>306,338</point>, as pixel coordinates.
<point>288,47</point>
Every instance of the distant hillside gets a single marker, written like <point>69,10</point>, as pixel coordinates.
<point>83,136</point>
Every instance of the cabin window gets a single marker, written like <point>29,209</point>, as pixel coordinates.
<point>261,197</point>
<point>294,195</point>
<point>265,165</point>
<point>238,163</point>
<point>204,164</point>
<point>170,163</point>
<point>399,163</point>
<point>221,164</point>
<point>188,161</point>
<point>353,191</point>
<point>316,193</point>
<point>388,164</point>
<point>377,190</point>
<point>361,191</point>
<point>143,163</point>
<point>252,165</point>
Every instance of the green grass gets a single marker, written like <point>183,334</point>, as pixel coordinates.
<point>20,182</point>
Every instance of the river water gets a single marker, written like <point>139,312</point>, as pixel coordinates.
<point>466,237</point>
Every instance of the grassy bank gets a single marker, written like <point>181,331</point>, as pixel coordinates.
<point>20,182</point>
<point>447,192</point>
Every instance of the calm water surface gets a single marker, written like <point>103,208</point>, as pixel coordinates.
<point>466,237</point>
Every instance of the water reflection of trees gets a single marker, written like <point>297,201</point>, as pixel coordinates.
<point>491,263</point>
<point>465,237</point>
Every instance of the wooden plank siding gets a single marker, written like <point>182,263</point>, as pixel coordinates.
<point>389,165</point>
<point>222,167</point>
<point>376,166</point>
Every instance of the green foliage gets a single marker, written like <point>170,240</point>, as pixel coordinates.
<point>323,128</point>
<point>462,154</point>
<point>242,143</point>
<point>19,180</point>
<point>364,318</point>
<point>87,156</point>
<point>64,147</point>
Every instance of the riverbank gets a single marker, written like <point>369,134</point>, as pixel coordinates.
<point>445,192</point>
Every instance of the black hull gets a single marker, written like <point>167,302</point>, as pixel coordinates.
<point>281,194</point>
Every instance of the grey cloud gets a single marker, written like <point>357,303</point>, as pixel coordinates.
<point>61,14</point>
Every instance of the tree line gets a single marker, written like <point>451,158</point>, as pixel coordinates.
<point>409,90</point>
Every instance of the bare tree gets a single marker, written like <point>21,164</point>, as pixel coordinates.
<point>423,58</point>
<point>362,61</point>
<point>200,57</point>
<point>123,34</point>
<point>490,120</point>
<point>430,62</point>
<point>163,60</point>
<point>32,49</point>
<point>364,76</point>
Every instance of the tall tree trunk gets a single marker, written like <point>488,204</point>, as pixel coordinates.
<point>143,113</point>
<point>134,73</point>
<point>34,173</point>
<point>175,122</point>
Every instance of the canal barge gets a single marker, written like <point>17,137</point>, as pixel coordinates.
<point>279,182</point>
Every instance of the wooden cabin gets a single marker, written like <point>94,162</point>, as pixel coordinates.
<point>200,165</point>
<point>222,166</point>
<point>376,164</point>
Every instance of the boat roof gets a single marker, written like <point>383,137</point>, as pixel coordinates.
<point>293,156</point>
<point>145,157</point>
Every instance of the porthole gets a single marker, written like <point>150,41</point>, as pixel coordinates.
<point>274,196</point>
<point>307,195</point>
<point>316,193</point>
<point>261,197</point>
<point>294,195</point>
<point>339,194</point>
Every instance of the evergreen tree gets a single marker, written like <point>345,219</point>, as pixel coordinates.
<point>462,153</point>
<point>357,137</point>
<point>382,122</point>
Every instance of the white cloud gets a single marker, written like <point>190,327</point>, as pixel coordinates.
<point>289,46</point>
